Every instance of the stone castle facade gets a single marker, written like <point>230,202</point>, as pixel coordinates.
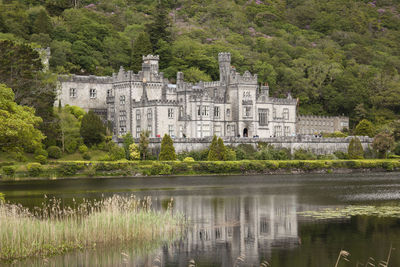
<point>233,106</point>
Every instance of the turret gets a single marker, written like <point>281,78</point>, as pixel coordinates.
<point>224,60</point>
<point>150,65</point>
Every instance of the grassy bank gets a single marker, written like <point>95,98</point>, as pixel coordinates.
<point>52,229</point>
<point>59,169</point>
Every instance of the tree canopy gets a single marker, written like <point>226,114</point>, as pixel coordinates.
<point>18,124</point>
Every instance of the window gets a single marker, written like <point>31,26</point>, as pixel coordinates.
<point>278,131</point>
<point>72,92</point>
<point>149,129</point>
<point>216,112</point>
<point>274,113</point>
<point>285,113</point>
<point>149,114</point>
<point>138,115</point>
<point>199,130</point>
<point>138,130</point>
<point>217,130</point>
<point>228,112</point>
<point>204,111</point>
<point>287,131</point>
<point>109,92</point>
<point>180,111</point>
<point>198,110</point>
<point>247,112</point>
<point>170,113</point>
<point>263,116</point>
<point>122,115</point>
<point>171,130</point>
<point>246,94</point>
<point>93,93</point>
<point>180,131</point>
<point>122,127</point>
<point>122,100</point>
<point>230,130</point>
<point>206,130</point>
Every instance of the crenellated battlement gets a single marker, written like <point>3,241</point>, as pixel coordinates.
<point>85,79</point>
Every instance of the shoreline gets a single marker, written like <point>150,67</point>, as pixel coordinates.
<point>147,169</point>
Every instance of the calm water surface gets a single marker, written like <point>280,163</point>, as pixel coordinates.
<point>239,220</point>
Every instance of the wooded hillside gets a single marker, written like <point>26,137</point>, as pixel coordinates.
<point>337,56</point>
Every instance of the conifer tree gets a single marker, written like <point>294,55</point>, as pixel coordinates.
<point>141,47</point>
<point>92,129</point>
<point>213,149</point>
<point>355,149</point>
<point>160,28</point>
<point>167,149</point>
<point>128,140</point>
<point>144,144</point>
<point>221,149</point>
<point>365,128</point>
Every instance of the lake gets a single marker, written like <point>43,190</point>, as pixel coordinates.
<point>239,220</point>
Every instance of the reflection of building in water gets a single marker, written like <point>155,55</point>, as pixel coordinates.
<point>248,226</point>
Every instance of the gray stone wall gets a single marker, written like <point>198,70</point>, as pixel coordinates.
<point>319,146</point>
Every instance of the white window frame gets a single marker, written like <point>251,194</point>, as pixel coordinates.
<point>72,92</point>
<point>170,113</point>
<point>92,93</point>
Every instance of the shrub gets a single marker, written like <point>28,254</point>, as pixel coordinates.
<point>216,149</point>
<point>34,169</point>
<point>92,129</point>
<point>188,159</point>
<point>18,156</point>
<point>54,152</point>
<point>158,168</point>
<point>71,145</point>
<point>167,149</point>
<point>303,154</point>
<point>86,156</point>
<point>8,170</point>
<point>230,154</point>
<point>116,153</point>
<point>365,128</point>
<point>70,168</point>
<point>127,141</point>
<point>41,159</point>
<point>41,151</point>
<point>134,153</point>
<point>245,151</point>
<point>83,149</point>
<point>336,134</point>
<point>355,149</point>
<point>383,143</point>
<point>341,155</point>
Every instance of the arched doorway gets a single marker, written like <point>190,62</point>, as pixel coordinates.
<point>245,133</point>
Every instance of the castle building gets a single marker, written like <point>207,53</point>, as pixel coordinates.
<point>310,124</point>
<point>233,106</point>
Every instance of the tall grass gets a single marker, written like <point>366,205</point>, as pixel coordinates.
<point>54,229</point>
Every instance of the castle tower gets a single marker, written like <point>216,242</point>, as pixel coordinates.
<point>150,66</point>
<point>224,61</point>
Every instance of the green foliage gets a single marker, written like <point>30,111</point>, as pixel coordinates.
<point>2,197</point>
<point>134,153</point>
<point>116,153</point>
<point>34,169</point>
<point>230,154</point>
<point>127,141</point>
<point>188,159</point>
<point>383,143</point>
<point>365,128</point>
<point>341,155</point>
<point>142,47</point>
<point>167,151</point>
<point>18,123</point>
<point>83,149</point>
<point>92,129</point>
<point>41,152</point>
<point>144,144</point>
<point>71,144</point>
<point>335,135</point>
<point>8,170</point>
<point>302,154</point>
<point>86,156</point>
<point>217,150</point>
<point>269,152</point>
<point>245,151</point>
<point>355,149</point>
<point>54,152</point>
<point>41,159</point>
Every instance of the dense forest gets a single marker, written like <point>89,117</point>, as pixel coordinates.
<point>337,56</point>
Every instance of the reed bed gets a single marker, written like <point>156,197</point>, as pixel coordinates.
<point>53,229</point>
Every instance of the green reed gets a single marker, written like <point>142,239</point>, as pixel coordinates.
<point>55,229</point>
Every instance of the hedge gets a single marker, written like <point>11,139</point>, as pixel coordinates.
<point>132,168</point>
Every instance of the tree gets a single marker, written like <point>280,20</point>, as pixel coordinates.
<point>141,47</point>
<point>92,129</point>
<point>355,149</point>
<point>217,149</point>
<point>127,141</point>
<point>167,149</point>
<point>160,28</point>
<point>18,124</point>
<point>144,144</point>
<point>134,152</point>
<point>70,128</point>
<point>383,142</point>
<point>365,128</point>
